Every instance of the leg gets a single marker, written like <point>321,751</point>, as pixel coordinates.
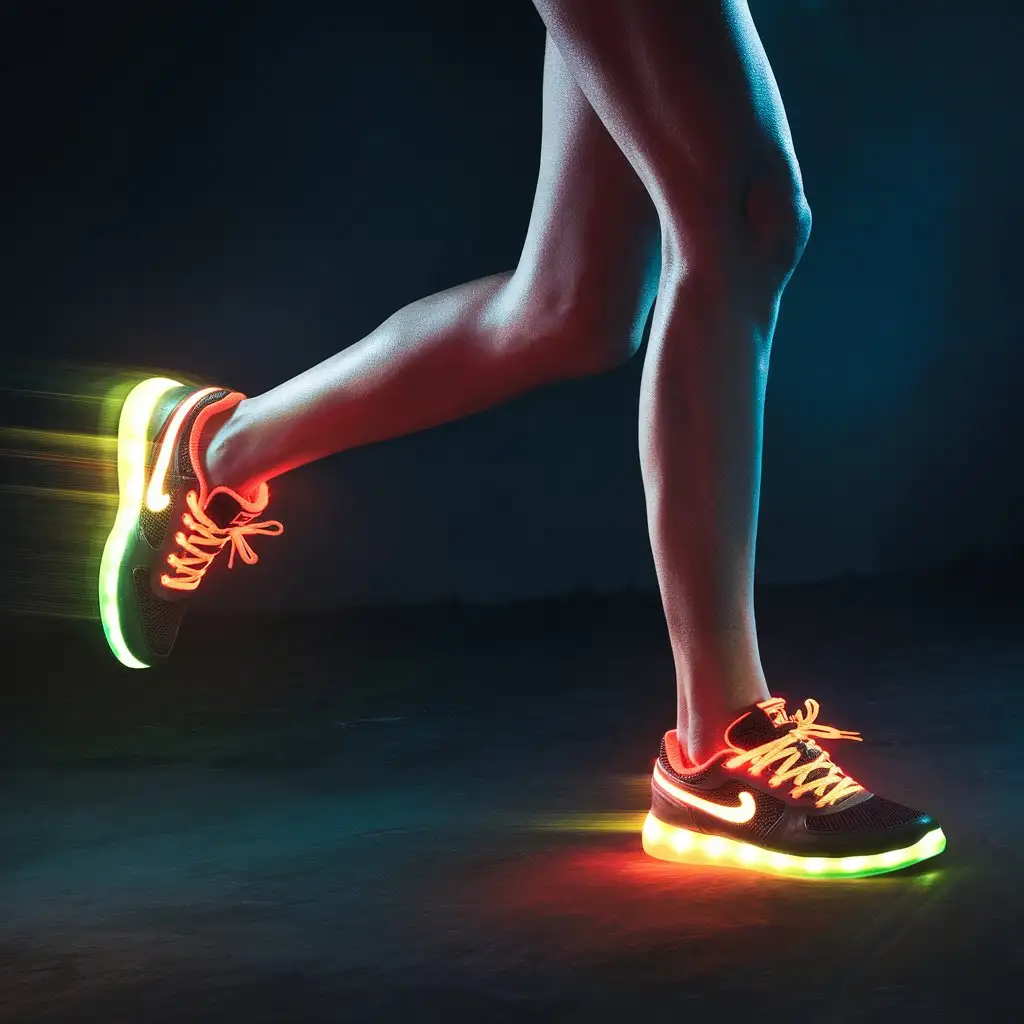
<point>577,303</point>
<point>193,462</point>
<point>686,91</point>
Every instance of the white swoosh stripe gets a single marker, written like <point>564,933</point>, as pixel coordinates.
<point>737,814</point>
<point>156,497</point>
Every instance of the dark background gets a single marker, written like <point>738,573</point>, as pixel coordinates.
<point>234,192</point>
<point>381,814</point>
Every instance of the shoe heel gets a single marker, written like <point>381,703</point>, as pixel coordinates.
<point>132,445</point>
<point>670,842</point>
<point>689,846</point>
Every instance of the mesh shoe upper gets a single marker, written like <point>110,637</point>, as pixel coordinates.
<point>769,756</point>
<point>199,522</point>
<point>176,525</point>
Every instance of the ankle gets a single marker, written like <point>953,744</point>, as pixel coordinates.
<point>698,744</point>
<point>221,452</point>
<point>701,729</point>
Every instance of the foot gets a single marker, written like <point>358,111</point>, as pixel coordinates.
<point>170,525</point>
<point>772,800</point>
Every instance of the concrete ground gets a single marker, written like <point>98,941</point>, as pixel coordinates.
<point>431,814</point>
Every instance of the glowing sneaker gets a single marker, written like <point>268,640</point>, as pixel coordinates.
<point>169,526</point>
<point>772,800</point>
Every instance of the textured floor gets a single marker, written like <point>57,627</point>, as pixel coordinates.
<point>419,814</point>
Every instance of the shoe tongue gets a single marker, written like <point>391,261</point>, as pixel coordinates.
<point>223,509</point>
<point>756,727</point>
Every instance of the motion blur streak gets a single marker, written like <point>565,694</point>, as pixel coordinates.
<point>58,457</point>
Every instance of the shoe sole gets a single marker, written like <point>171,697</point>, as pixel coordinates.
<point>133,443</point>
<point>671,843</point>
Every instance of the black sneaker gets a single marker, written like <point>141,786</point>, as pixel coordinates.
<point>169,526</point>
<point>772,800</point>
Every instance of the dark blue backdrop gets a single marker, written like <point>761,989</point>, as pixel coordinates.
<point>237,193</point>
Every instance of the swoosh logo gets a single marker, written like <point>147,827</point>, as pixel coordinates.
<point>157,497</point>
<point>737,813</point>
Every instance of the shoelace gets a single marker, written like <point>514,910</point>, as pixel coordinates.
<point>829,787</point>
<point>205,541</point>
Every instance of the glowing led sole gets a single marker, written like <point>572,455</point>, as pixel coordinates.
<point>132,448</point>
<point>667,842</point>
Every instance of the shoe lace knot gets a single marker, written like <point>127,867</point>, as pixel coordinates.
<point>205,540</point>
<point>796,756</point>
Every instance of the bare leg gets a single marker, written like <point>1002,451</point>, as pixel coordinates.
<point>686,90</point>
<point>577,303</point>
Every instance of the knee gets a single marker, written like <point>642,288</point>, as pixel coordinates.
<point>757,231</point>
<point>573,328</point>
<point>777,219</point>
<point>597,338</point>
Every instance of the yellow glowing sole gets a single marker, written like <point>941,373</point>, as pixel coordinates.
<point>132,448</point>
<point>668,842</point>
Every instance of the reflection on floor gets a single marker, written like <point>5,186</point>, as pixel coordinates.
<point>370,816</point>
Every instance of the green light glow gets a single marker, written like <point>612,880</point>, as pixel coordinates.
<point>590,821</point>
<point>66,446</point>
<point>132,445</point>
<point>666,842</point>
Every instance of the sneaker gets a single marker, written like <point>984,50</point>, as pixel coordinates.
<point>772,800</point>
<point>169,526</point>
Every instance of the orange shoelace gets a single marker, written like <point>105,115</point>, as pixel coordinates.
<point>205,541</point>
<point>831,786</point>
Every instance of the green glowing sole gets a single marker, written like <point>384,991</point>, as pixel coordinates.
<point>668,842</point>
<point>133,445</point>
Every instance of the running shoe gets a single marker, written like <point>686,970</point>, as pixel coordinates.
<point>773,800</point>
<point>169,526</point>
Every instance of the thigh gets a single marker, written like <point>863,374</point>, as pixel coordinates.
<point>685,89</point>
<point>593,238</point>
